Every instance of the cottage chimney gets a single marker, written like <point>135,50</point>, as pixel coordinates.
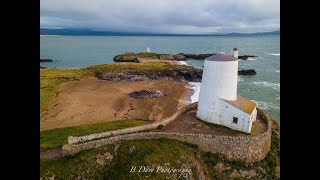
<point>235,52</point>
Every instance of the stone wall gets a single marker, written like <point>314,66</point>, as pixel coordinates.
<point>244,148</point>
<point>76,140</point>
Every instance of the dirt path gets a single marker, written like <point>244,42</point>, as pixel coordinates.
<point>91,101</point>
<point>52,153</point>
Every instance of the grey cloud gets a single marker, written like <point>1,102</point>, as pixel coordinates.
<point>163,16</point>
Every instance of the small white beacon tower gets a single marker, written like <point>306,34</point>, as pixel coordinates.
<point>148,49</point>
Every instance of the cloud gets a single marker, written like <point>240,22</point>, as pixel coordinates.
<point>162,16</point>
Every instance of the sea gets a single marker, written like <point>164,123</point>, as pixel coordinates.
<point>262,88</point>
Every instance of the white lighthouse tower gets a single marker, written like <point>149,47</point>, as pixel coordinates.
<point>218,99</point>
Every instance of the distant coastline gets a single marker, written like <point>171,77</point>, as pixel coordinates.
<point>89,32</point>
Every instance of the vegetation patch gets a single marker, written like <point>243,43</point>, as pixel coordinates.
<point>147,153</point>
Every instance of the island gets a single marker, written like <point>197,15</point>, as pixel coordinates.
<point>102,120</point>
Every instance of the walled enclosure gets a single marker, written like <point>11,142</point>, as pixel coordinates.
<point>244,148</point>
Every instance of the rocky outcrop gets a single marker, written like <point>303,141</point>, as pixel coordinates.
<point>173,72</point>
<point>120,58</point>
<point>147,94</point>
<point>45,60</point>
<point>179,57</point>
<point>42,67</point>
<point>196,56</point>
<point>132,57</point>
<point>245,57</point>
<point>247,72</point>
<point>166,57</point>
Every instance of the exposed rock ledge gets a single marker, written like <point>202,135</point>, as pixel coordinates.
<point>45,60</point>
<point>247,72</point>
<point>147,94</point>
<point>133,57</point>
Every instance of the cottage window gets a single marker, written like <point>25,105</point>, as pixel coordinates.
<point>235,120</point>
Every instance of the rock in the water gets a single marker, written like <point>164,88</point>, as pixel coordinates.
<point>196,56</point>
<point>42,67</point>
<point>247,72</point>
<point>245,57</point>
<point>46,60</point>
<point>147,94</point>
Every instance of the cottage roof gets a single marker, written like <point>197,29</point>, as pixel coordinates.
<point>243,104</point>
<point>221,57</point>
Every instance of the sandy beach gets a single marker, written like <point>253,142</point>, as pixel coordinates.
<point>92,101</point>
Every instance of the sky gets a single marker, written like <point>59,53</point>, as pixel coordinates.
<point>163,16</point>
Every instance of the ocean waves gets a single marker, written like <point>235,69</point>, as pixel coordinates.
<point>266,105</point>
<point>195,87</point>
<point>275,86</point>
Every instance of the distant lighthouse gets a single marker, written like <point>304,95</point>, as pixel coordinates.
<point>218,99</point>
<point>148,49</point>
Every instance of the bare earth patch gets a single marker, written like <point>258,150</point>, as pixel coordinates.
<point>92,101</point>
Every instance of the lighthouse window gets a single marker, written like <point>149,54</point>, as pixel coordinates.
<point>235,120</point>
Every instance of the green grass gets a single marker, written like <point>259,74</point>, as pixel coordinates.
<point>57,137</point>
<point>142,54</point>
<point>153,152</point>
<point>50,79</point>
<point>148,152</point>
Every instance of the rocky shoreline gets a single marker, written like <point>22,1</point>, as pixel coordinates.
<point>176,72</point>
<point>133,57</point>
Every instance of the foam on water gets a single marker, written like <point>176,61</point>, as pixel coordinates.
<point>275,54</point>
<point>265,105</point>
<point>195,87</point>
<point>182,63</point>
<point>251,59</point>
<point>275,86</point>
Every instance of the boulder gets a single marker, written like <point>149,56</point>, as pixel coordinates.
<point>247,72</point>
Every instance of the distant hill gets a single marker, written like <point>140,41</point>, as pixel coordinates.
<point>260,33</point>
<point>89,32</point>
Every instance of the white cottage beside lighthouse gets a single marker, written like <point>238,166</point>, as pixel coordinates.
<point>219,102</point>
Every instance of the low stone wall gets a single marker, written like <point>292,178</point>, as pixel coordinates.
<point>244,148</point>
<point>76,140</point>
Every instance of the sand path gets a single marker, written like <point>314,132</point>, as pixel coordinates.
<point>91,101</point>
